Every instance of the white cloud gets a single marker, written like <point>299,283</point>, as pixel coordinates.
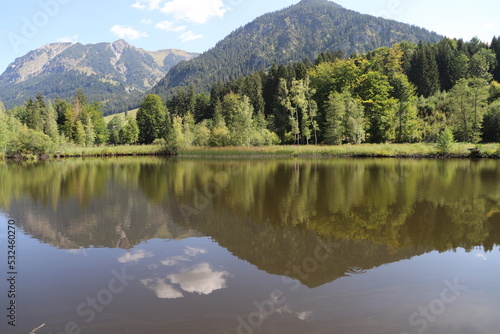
<point>196,11</point>
<point>146,21</point>
<point>174,260</point>
<point>81,251</point>
<point>169,26</point>
<point>192,251</point>
<point>200,278</point>
<point>481,256</point>
<point>134,256</point>
<point>189,36</point>
<point>68,39</point>
<point>127,32</point>
<point>161,289</point>
<point>147,4</point>
<point>304,315</point>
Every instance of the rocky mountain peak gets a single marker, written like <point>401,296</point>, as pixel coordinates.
<point>105,69</point>
<point>120,45</point>
<point>33,63</point>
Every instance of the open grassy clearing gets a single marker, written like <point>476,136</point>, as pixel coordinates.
<point>132,113</point>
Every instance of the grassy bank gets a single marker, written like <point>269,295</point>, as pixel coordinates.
<point>110,151</point>
<point>365,150</point>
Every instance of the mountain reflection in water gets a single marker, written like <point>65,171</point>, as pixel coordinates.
<point>310,222</point>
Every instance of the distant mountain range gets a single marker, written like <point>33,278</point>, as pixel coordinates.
<point>108,72</point>
<point>118,74</point>
<point>300,31</point>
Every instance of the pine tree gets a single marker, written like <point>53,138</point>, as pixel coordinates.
<point>283,112</point>
<point>89,133</point>
<point>467,107</point>
<point>424,70</point>
<point>446,53</point>
<point>495,47</point>
<point>33,118</point>
<point>79,133</point>
<point>50,123</point>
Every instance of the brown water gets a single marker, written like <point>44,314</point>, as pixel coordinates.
<point>149,245</point>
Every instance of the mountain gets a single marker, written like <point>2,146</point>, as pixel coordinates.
<point>300,31</point>
<point>106,71</point>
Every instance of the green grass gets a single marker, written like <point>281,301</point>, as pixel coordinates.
<point>419,150</point>
<point>132,113</point>
<point>365,150</point>
<point>109,151</point>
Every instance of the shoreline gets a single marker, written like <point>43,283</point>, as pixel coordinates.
<point>409,151</point>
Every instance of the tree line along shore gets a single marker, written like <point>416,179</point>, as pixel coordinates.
<point>425,100</point>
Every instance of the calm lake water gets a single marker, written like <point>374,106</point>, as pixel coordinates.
<point>152,245</point>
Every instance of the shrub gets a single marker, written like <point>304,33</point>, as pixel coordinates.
<point>29,141</point>
<point>445,141</point>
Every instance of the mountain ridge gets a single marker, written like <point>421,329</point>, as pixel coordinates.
<point>300,31</point>
<point>57,69</point>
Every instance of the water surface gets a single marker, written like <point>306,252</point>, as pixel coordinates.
<point>152,245</point>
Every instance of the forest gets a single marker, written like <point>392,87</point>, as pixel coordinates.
<point>407,93</point>
<point>404,94</point>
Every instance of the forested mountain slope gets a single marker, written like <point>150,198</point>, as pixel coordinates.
<point>300,31</point>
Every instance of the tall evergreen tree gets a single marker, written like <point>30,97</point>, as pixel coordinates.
<point>50,123</point>
<point>468,106</point>
<point>495,47</point>
<point>446,53</point>
<point>33,116</point>
<point>283,110</point>
<point>424,71</point>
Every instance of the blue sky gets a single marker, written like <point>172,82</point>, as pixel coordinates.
<point>197,25</point>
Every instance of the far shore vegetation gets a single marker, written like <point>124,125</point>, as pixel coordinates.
<point>425,100</point>
<point>419,150</point>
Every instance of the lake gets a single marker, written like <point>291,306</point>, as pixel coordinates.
<point>154,245</point>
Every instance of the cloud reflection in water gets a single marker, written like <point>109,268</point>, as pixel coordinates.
<point>161,289</point>
<point>200,279</point>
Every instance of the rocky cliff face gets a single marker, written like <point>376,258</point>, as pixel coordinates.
<point>114,68</point>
